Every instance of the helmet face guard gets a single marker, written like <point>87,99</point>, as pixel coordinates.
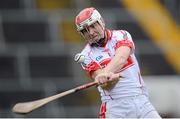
<point>87,17</point>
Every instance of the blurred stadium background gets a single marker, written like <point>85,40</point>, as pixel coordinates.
<point>38,41</point>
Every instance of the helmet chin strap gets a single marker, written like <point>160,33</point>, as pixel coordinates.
<point>100,42</point>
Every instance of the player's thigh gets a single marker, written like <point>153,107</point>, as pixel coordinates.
<point>152,114</point>
<point>123,108</point>
<point>146,108</point>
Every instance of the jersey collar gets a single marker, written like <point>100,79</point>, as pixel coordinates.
<point>109,35</point>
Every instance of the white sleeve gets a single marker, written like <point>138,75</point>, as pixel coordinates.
<point>124,39</point>
<point>89,65</point>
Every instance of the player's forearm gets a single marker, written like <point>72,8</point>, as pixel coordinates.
<point>97,72</point>
<point>120,58</point>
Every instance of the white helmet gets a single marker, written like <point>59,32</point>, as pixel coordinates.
<point>87,17</point>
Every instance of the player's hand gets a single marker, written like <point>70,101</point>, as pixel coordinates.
<point>107,80</point>
<point>103,77</point>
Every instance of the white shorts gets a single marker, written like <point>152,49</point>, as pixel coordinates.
<point>129,107</point>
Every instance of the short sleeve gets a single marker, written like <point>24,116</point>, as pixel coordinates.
<point>89,65</point>
<point>124,39</point>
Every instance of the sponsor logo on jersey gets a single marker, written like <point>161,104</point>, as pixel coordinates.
<point>99,57</point>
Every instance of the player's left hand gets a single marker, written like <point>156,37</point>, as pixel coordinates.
<point>107,80</point>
